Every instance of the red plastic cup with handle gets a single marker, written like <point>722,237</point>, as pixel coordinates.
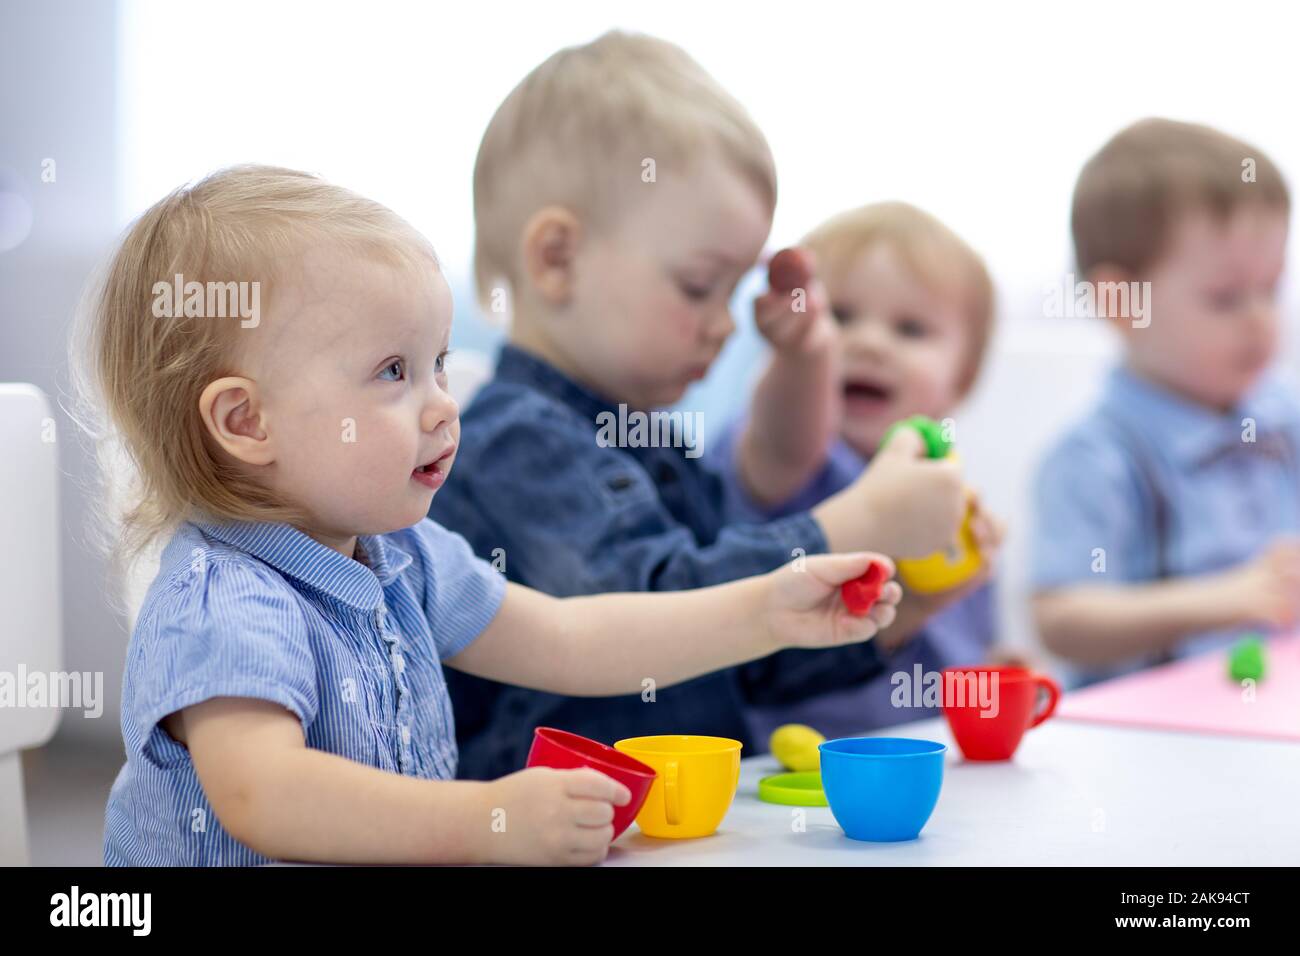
<point>989,707</point>
<point>565,751</point>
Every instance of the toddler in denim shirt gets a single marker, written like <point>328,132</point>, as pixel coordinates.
<point>619,196</point>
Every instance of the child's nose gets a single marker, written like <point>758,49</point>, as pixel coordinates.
<point>721,324</point>
<point>438,411</point>
<point>867,336</point>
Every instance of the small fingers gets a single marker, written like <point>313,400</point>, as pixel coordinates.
<point>590,846</point>
<point>593,813</point>
<point>594,785</point>
<point>883,615</point>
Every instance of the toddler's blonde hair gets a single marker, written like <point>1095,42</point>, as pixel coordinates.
<point>576,131</point>
<point>138,377</point>
<point>934,253</point>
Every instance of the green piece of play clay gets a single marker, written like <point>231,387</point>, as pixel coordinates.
<point>936,444</point>
<point>1246,661</point>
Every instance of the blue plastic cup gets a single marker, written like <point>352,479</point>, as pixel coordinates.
<point>882,789</point>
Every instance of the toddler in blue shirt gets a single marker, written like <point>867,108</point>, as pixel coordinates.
<point>1167,518</point>
<point>269,350</point>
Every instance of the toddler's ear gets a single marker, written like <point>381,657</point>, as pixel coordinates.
<point>231,412</point>
<point>551,239</point>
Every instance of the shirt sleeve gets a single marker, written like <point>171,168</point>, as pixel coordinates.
<point>569,517</point>
<point>462,592</point>
<point>796,674</point>
<point>1089,510</point>
<point>227,629</point>
<point>738,505</point>
<point>838,471</point>
<point>593,522</point>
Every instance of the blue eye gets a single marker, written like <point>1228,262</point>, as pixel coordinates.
<point>440,363</point>
<point>400,373</point>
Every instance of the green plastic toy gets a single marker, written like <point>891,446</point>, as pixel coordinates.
<point>1247,659</point>
<point>802,789</point>
<point>936,445</point>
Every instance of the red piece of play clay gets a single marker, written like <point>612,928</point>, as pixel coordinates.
<point>789,269</point>
<point>864,591</point>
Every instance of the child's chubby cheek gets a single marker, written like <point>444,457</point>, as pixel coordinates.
<point>666,347</point>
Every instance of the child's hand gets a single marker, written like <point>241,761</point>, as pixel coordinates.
<point>989,532</point>
<point>1266,589</point>
<point>904,504</point>
<point>915,609</point>
<point>804,608</point>
<point>794,315</point>
<point>554,817</point>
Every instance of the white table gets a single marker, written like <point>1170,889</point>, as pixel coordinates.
<point>1075,794</point>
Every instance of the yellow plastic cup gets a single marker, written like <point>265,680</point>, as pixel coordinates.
<point>695,782</point>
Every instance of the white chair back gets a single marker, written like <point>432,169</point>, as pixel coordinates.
<point>31,635</point>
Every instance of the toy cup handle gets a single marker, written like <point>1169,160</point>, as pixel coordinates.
<point>672,801</point>
<point>1053,695</point>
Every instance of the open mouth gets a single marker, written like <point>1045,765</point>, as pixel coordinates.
<point>432,474</point>
<point>862,395</point>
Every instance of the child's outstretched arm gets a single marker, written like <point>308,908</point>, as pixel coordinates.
<point>1103,624</point>
<point>794,409</point>
<point>612,643</point>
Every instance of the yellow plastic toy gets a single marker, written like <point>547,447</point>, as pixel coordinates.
<point>950,568</point>
<point>795,746</point>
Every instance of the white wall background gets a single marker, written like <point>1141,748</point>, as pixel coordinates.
<point>981,112</point>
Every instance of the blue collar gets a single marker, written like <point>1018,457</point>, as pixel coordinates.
<point>1190,432</point>
<point>524,368</point>
<point>299,556</point>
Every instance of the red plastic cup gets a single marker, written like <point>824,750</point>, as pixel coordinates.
<point>565,751</point>
<point>989,708</point>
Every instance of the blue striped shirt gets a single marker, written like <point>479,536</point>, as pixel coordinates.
<point>263,611</point>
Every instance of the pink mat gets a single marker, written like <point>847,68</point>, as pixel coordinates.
<point>1198,695</point>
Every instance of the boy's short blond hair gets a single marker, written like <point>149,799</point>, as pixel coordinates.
<point>139,372</point>
<point>937,256</point>
<point>1134,190</point>
<point>577,130</point>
